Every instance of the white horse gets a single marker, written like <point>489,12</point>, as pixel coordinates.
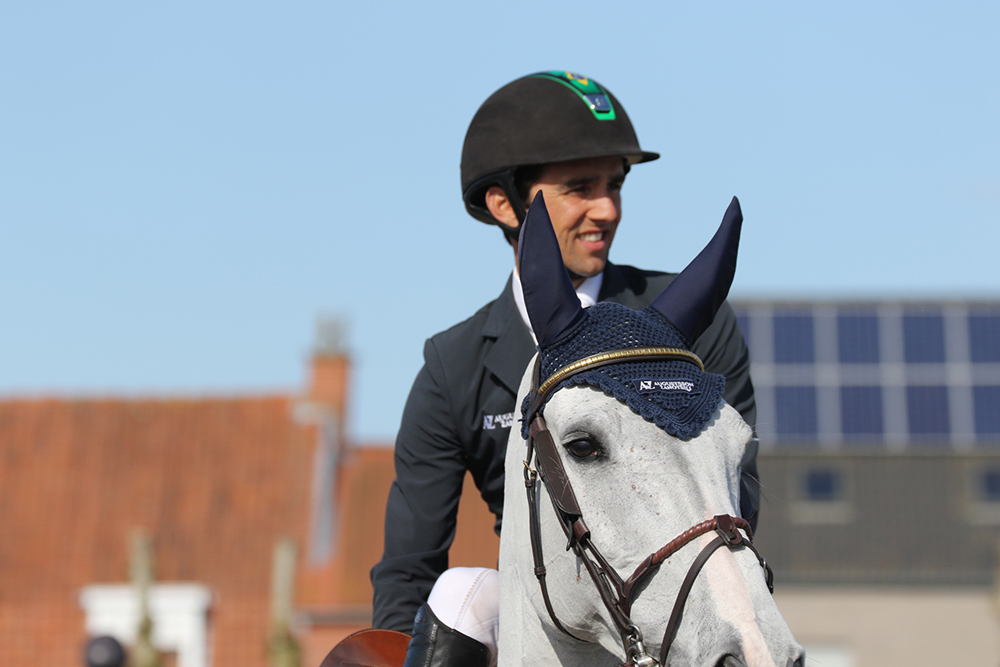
<point>637,487</point>
<point>646,489</point>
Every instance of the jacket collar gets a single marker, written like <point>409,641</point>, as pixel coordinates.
<point>513,348</point>
<point>617,288</point>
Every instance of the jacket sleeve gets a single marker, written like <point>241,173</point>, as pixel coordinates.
<point>724,351</point>
<point>422,507</point>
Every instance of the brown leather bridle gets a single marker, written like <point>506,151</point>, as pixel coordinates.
<point>617,594</point>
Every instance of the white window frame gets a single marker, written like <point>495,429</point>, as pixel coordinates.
<point>179,613</point>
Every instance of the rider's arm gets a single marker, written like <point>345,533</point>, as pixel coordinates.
<point>724,351</point>
<point>423,501</point>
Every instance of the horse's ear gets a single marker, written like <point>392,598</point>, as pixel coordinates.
<point>552,304</point>
<point>693,298</point>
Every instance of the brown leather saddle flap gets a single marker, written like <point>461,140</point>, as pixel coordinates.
<point>369,648</point>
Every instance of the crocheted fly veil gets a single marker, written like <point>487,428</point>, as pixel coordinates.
<point>674,392</point>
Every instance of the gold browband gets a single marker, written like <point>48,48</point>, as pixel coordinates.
<point>619,355</point>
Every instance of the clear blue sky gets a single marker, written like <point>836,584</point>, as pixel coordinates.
<point>185,187</point>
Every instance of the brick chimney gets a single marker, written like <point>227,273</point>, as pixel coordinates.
<point>330,367</point>
<point>325,407</point>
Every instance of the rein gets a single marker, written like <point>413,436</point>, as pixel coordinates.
<point>617,594</point>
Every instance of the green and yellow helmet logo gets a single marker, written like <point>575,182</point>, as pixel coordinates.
<point>591,92</point>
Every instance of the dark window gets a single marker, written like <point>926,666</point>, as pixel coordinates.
<point>823,485</point>
<point>989,485</point>
<point>857,336</point>
<point>923,338</point>
<point>795,409</point>
<point>927,409</point>
<point>986,402</point>
<point>793,339</point>
<point>860,411</point>
<point>984,338</point>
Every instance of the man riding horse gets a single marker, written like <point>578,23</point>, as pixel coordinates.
<point>566,136</point>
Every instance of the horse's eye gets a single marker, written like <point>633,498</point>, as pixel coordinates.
<point>582,449</point>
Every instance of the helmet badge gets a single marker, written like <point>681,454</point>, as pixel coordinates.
<point>591,92</point>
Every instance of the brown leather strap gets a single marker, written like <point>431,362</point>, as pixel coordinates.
<point>726,526</point>
<point>535,531</point>
<point>682,595</point>
<point>553,473</point>
<point>654,560</point>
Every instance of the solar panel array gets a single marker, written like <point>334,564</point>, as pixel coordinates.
<point>878,375</point>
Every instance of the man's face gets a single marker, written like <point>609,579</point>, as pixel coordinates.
<point>584,201</point>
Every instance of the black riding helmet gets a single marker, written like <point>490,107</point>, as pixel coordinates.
<point>538,119</point>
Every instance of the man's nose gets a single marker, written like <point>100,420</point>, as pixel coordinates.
<point>604,208</point>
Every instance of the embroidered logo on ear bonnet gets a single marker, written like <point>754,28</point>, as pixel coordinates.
<point>649,385</point>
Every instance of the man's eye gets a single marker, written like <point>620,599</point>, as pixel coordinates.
<point>582,449</point>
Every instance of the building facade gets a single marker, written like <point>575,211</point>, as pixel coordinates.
<point>879,425</point>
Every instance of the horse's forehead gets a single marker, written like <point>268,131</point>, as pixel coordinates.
<point>570,401</point>
<point>590,409</point>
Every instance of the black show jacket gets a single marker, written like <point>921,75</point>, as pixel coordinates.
<point>460,412</point>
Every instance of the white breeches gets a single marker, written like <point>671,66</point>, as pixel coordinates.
<point>468,600</point>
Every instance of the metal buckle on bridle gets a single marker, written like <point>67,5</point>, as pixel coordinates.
<point>635,652</point>
<point>530,474</point>
<point>726,528</point>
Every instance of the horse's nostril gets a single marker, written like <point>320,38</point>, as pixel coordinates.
<point>730,660</point>
<point>797,662</point>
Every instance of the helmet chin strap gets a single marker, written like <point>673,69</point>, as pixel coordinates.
<point>506,183</point>
<point>515,202</point>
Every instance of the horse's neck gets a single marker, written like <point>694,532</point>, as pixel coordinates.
<point>524,640</point>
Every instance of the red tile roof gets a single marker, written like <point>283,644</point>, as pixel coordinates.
<point>216,481</point>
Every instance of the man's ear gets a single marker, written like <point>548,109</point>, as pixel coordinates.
<point>499,207</point>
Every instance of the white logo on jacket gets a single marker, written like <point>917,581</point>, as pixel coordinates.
<point>491,422</point>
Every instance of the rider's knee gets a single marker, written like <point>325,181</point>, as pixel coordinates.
<point>468,600</point>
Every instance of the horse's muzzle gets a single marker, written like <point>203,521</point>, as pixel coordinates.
<point>730,660</point>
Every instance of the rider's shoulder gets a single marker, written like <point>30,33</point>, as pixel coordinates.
<point>462,331</point>
<point>633,274</point>
<point>633,286</point>
<point>465,340</point>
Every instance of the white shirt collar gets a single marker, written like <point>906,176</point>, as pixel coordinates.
<point>587,292</point>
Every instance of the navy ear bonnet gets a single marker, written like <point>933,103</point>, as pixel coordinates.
<point>675,395</point>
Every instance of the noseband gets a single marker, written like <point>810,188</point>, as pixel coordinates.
<point>616,593</point>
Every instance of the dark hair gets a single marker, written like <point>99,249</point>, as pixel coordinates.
<point>524,178</point>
